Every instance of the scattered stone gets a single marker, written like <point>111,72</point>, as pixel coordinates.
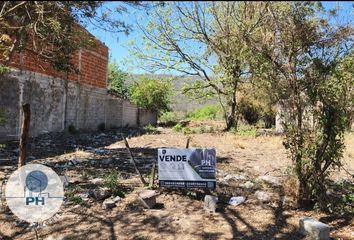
<point>237,200</point>
<point>117,199</point>
<point>31,158</point>
<point>108,204</point>
<point>262,196</point>
<point>65,180</point>
<point>270,179</point>
<point>111,202</point>
<point>84,196</point>
<point>107,161</point>
<point>100,151</point>
<point>210,203</point>
<point>100,194</point>
<point>248,185</point>
<point>314,229</point>
<point>148,198</point>
<point>96,181</point>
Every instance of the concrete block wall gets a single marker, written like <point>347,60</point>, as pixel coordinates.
<point>86,106</point>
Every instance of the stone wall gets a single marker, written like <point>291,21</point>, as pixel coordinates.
<point>53,108</point>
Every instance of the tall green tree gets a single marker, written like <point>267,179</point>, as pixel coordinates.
<point>117,84</point>
<point>152,94</point>
<point>306,58</point>
<point>198,39</point>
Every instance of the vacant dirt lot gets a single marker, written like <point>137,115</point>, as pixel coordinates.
<point>179,214</point>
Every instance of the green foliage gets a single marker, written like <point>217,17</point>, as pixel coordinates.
<point>3,68</point>
<point>111,182</point>
<point>177,128</point>
<point>101,127</point>
<point>50,28</point>
<point>207,112</point>
<point>300,53</point>
<point>152,94</point>
<point>168,118</point>
<point>249,111</point>
<point>245,130</point>
<point>150,129</point>
<point>76,200</point>
<point>117,81</point>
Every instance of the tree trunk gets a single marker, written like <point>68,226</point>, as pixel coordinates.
<point>231,120</point>
<point>24,134</point>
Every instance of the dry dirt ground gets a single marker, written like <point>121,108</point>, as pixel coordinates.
<point>179,213</point>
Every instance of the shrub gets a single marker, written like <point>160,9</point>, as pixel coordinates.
<point>101,127</point>
<point>249,111</point>
<point>151,129</point>
<point>207,112</point>
<point>244,130</point>
<point>169,118</point>
<point>177,128</point>
<point>111,182</point>
<point>151,94</point>
<point>72,129</point>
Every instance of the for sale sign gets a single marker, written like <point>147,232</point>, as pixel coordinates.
<point>187,168</point>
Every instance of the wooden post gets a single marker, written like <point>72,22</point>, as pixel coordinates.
<point>24,134</point>
<point>152,180</point>
<point>187,144</point>
<point>133,161</point>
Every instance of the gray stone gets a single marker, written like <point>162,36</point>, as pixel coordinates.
<point>117,199</point>
<point>107,161</point>
<point>263,196</point>
<point>100,194</point>
<point>108,204</point>
<point>270,179</point>
<point>248,185</point>
<point>237,200</point>
<point>314,229</point>
<point>84,196</point>
<point>210,203</point>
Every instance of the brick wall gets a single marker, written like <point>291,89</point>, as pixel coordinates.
<point>91,63</point>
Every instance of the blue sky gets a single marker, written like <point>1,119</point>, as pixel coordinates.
<point>118,43</point>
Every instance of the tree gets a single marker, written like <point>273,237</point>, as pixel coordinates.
<point>50,29</point>
<point>117,81</point>
<point>305,57</point>
<point>198,39</point>
<point>151,94</point>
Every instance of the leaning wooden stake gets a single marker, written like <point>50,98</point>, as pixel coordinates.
<point>187,144</point>
<point>152,180</point>
<point>133,161</point>
<point>24,134</point>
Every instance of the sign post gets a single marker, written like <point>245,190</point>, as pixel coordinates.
<point>187,168</point>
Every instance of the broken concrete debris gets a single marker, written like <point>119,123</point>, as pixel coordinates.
<point>274,181</point>
<point>147,198</point>
<point>263,196</point>
<point>314,229</point>
<point>234,201</point>
<point>210,203</point>
<point>110,202</point>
